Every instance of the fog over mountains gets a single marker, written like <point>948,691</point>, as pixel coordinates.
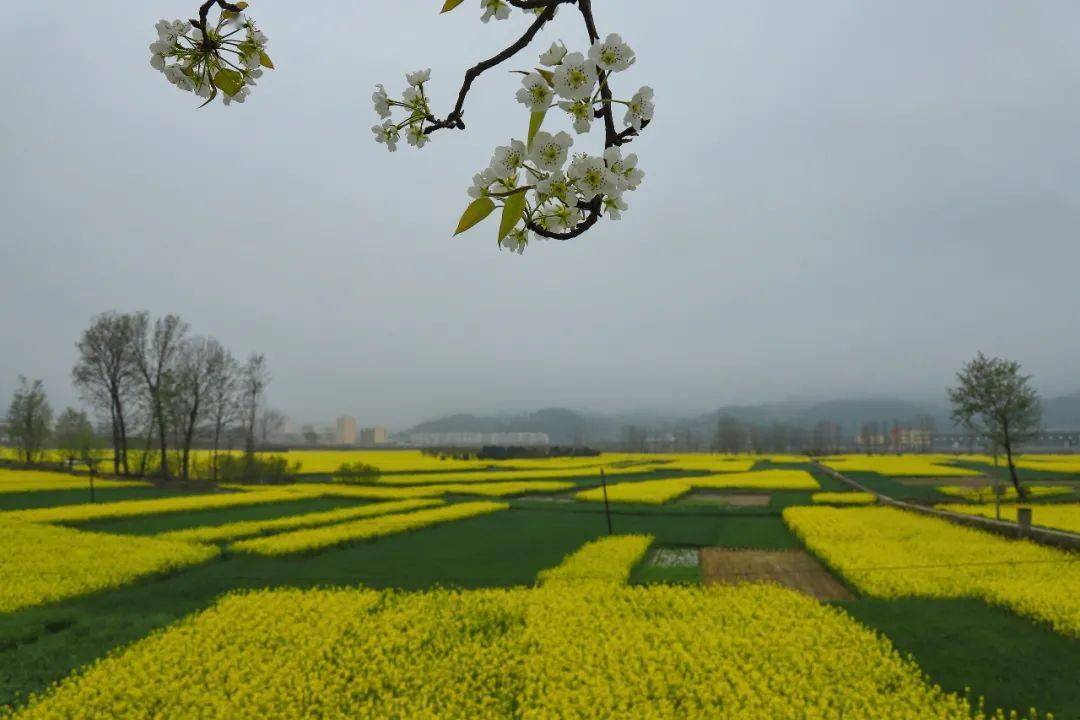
<point>565,426</point>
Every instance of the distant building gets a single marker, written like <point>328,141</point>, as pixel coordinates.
<point>345,430</point>
<point>373,436</point>
<point>478,440</point>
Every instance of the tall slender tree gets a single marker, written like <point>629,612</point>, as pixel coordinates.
<point>29,420</point>
<point>107,376</point>
<point>157,348</point>
<point>996,401</point>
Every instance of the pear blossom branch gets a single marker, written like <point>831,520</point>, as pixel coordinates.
<point>204,10</point>
<point>528,181</point>
<point>453,119</point>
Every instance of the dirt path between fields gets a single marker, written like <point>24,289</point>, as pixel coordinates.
<point>795,569</point>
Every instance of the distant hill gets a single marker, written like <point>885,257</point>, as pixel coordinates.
<point>562,426</point>
<point>565,426</point>
<point>1062,413</point>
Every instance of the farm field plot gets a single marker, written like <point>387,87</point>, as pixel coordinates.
<point>899,466</point>
<point>510,653</point>
<point>890,553</point>
<point>986,493</point>
<point>657,492</point>
<point>23,481</point>
<point>1059,516</point>
<point>507,570</point>
<point>43,563</point>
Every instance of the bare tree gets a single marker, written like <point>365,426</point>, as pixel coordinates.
<point>994,400</point>
<point>155,357</point>
<point>29,420</point>
<point>730,435</point>
<point>223,403</point>
<point>106,376</point>
<point>254,378</point>
<point>271,422</point>
<point>197,362</point>
<point>74,436</point>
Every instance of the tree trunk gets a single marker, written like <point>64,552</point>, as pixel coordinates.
<point>162,440</point>
<point>1012,467</point>
<point>217,445</point>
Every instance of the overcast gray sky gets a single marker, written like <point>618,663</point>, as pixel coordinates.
<point>842,198</point>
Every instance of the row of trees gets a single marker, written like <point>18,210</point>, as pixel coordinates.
<point>160,388</point>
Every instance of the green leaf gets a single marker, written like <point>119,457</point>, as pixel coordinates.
<point>229,81</point>
<point>535,121</point>
<point>512,210</point>
<point>450,5</point>
<point>264,60</point>
<point>478,210</point>
<point>547,75</point>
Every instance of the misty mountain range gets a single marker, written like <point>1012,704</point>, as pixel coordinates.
<point>565,426</point>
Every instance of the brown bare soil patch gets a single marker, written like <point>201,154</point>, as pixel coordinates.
<point>964,481</point>
<point>731,499</point>
<point>795,569</point>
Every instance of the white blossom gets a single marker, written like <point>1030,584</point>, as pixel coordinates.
<point>574,79</point>
<point>556,185</point>
<point>515,240</point>
<point>386,133</point>
<point>416,136</point>
<point>257,37</point>
<point>481,182</point>
<point>508,159</point>
<point>614,205</point>
<point>175,74</point>
<point>562,217</point>
<point>381,101</point>
<point>536,93</point>
<point>416,100</point>
<point>549,151</point>
<point>498,9</point>
<point>252,75</point>
<point>554,55</point>
<point>581,111</point>
<point>612,55</point>
<point>170,32</point>
<point>625,169</point>
<point>419,77</point>
<point>640,108</point>
<point>239,97</point>
<point>591,176</point>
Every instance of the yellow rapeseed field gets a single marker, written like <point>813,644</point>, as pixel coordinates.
<point>986,492</point>
<point>758,480</point>
<point>899,465</point>
<point>252,528</point>
<point>648,492</point>
<point>1060,516</point>
<point>752,652</point>
<point>891,553</point>
<point>43,563</point>
<point>657,492</point>
<point>844,498</point>
<point>321,538</point>
<point>509,475</point>
<point>19,481</point>
<point>160,506</point>
<point>607,560</point>
<point>492,489</point>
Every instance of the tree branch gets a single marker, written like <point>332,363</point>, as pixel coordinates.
<point>204,9</point>
<point>453,119</point>
<point>593,207</point>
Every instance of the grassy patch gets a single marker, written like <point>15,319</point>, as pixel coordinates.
<point>1011,661</point>
<point>51,498</point>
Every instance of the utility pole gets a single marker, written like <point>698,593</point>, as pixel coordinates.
<point>607,507</point>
